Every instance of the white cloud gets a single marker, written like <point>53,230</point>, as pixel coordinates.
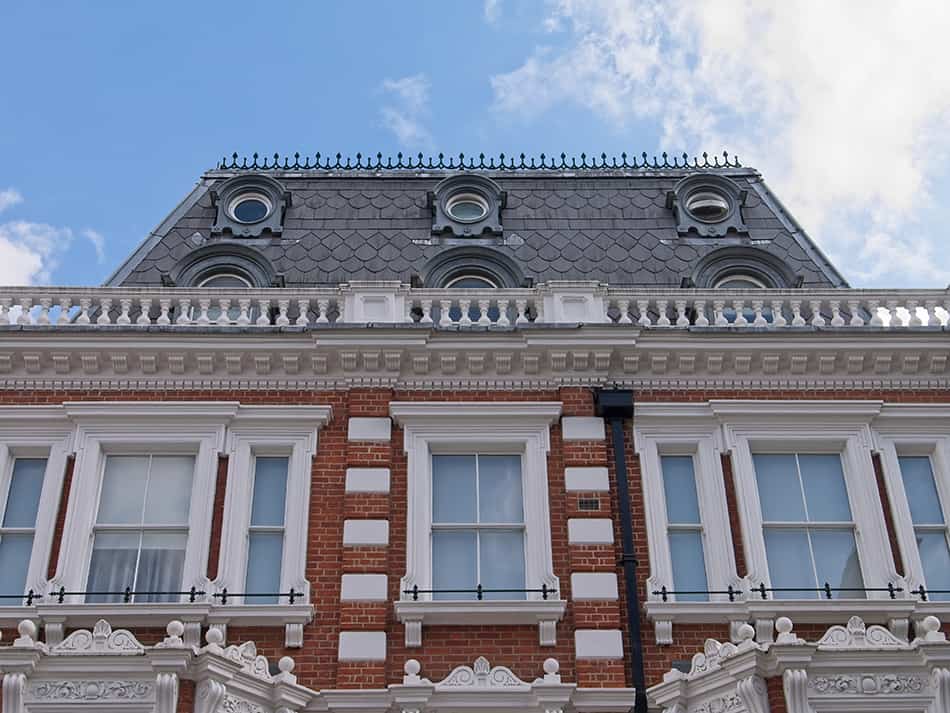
<point>9,197</point>
<point>98,243</point>
<point>492,11</point>
<point>405,111</point>
<point>841,105</point>
<point>29,251</point>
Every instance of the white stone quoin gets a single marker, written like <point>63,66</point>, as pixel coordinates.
<point>589,479</point>
<point>367,480</point>
<point>365,532</point>
<point>598,644</point>
<point>590,531</point>
<point>593,585</point>
<point>362,646</point>
<point>364,428</point>
<point>363,587</point>
<point>582,428</point>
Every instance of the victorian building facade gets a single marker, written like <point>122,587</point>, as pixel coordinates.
<point>438,435</point>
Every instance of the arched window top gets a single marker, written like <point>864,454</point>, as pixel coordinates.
<point>742,268</point>
<point>473,282</point>
<point>224,279</point>
<point>473,267</point>
<point>224,264</point>
<point>741,282</point>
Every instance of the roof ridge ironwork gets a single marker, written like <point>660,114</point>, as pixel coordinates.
<point>522,162</point>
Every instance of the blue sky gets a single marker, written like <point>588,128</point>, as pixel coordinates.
<point>109,111</point>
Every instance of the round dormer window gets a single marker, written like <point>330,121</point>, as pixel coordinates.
<point>708,206</point>
<point>250,207</point>
<point>466,207</point>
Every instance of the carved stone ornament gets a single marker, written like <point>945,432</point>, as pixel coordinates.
<point>101,641</point>
<point>713,653</point>
<point>867,684</point>
<point>246,655</point>
<point>89,690</point>
<point>233,704</point>
<point>481,675</point>
<point>856,636</point>
<point>722,704</point>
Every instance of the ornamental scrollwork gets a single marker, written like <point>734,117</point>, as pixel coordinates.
<point>724,704</point>
<point>867,684</point>
<point>92,690</point>
<point>238,705</point>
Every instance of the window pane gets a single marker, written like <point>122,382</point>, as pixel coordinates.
<point>502,557</point>
<point>836,559</point>
<point>789,562</point>
<point>689,565</point>
<point>112,568</point>
<point>453,488</point>
<point>270,492</point>
<point>825,491</point>
<point>264,556</point>
<point>499,489</point>
<point>23,499</point>
<point>160,566</point>
<point>936,560</point>
<point>169,490</point>
<point>14,564</point>
<point>679,484</point>
<point>779,489</point>
<point>453,563</point>
<point>123,489</point>
<point>921,490</point>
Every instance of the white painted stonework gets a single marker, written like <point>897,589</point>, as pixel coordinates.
<point>590,531</point>
<point>364,428</point>
<point>363,588</point>
<point>598,643</point>
<point>362,646</point>
<point>365,532</point>
<point>590,479</point>
<point>582,428</point>
<point>593,585</point>
<point>367,480</point>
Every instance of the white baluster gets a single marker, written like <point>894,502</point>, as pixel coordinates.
<point>323,306</point>
<point>303,313</point>
<point>931,307</point>
<point>719,314</point>
<point>445,319</point>
<point>624,307</point>
<point>85,304</point>
<point>43,316</point>
<point>778,319</point>
<point>836,319</point>
<point>340,311</point>
<point>65,304</point>
<point>426,312</point>
<point>464,306</point>
<point>797,319</point>
<point>224,305</point>
<point>503,320</point>
<point>816,319</point>
<point>739,307</point>
<point>538,306</point>
<point>700,308</point>
<point>915,320</point>
<point>661,307</point>
<point>26,304</point>
<point>681,319</point>
<point>145,306</point>
<point>184,311</point>
<point>164,305</point>
<point>410,305</point>
<point>760,320</point>
<point>895,320</point>
<point>125,306</point>
<point>643,309</point>
<point>244,318</point>
<point>282,319</point>
<point>520,306</point>
<point>483,317</point>
<point>204,304</point>
<point>854,307</point>
<point>105,304</point>
<point>874,307</point>
<point>263,318</point>
<point>5,303</point>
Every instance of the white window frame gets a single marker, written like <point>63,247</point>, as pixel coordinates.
<point>288,431</point>
<point>661,429</point>
<point>809,427</point>
<point>36,432</point>
<point>912,429</point>
<point>469,427</point>
<point>117,428</point>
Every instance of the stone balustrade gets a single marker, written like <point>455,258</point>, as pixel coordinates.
<point>548,303</point>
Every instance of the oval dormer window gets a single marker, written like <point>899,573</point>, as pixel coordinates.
<point>708,206</point>
<point>250,207</point>
<point>467,207</point>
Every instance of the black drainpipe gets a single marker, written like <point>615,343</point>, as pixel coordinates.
<point>615,407</point>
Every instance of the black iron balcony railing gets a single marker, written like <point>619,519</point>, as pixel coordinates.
<point>827,590</point>
<point>128,595</point>
<point>480,591</point>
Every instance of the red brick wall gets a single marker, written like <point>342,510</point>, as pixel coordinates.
<point>446,647</point>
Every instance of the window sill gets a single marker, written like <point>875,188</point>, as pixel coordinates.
<point>545,613</point>
<point>895,613</point>
<point>57,618</point>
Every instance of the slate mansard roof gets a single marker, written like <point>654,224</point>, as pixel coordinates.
<point>604,224</point>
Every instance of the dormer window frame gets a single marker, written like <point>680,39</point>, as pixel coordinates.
<point>225,197</point>
<point>467,188</point>
<point>711,185</point>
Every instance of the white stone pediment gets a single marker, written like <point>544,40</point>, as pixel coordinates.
<point>481,675</point>
<point>251,662</point>
<point>101,641</point>
<point>857,637</point>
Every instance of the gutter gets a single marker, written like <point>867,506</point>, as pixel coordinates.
<point>616,407</point>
